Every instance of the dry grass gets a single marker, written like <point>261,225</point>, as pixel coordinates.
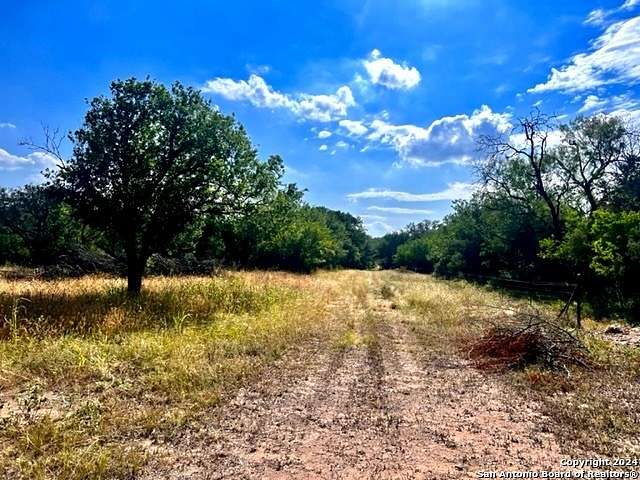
<point>87,373</point>
<point>444,314</point>
<point>595,410</point>
<point>89,377</point>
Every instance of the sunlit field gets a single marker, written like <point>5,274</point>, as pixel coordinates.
<point>91,378</point>
<point>86,372</point>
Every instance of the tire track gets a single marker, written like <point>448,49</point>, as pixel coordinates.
<point>373,410</point>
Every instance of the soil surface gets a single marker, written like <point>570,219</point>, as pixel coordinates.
<point>373,409</point>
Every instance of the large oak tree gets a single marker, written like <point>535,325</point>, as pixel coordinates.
<point>149,160</point>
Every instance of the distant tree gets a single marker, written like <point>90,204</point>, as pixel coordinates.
<point>414,255</point>
<point>245,240</point>
<point>148,161</point>
<point>626,194</point>
<point>521,165</point>
<point>590,157</point>
<point>605,249</point>
<point>36,227</point>
<point>385,247</point>
<point>354,247</point>
<point>303,244</point>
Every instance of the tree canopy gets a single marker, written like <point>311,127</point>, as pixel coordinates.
<point>148,161</point>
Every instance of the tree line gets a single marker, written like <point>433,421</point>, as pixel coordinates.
<point>159,179</point>
<point>558,202</point>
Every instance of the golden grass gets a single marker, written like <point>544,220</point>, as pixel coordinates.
<point>88,374</point>
<point>86,371</point>
<point>595,411</point>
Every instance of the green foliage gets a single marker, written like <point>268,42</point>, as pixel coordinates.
<point>616,243</point>
<point>161,178</point>
<point>149,161</point>
<point>303,245</point>
<point>414,255</point>
<point>386,246</point>
<point>303,238</point>
<point>569,213</point>
<point>36,227</point>
<point>605,250</point>
<point>285,233</point>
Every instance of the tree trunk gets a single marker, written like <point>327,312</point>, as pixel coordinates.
<point>134,282</point>
<point>135,272</point>
<point>557,224</point>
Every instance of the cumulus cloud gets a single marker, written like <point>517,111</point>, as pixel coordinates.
<point>592,103</point>
<point>324,134</point>
<point>384,71</point>
<point>401,211</point>
<point>614,58</point>
<point>623,106</point>
<point>630,4</point>
<point>446,140</point>
<point>454,191</point>
<point>323,148</point>
<point>354,127</point>
<point>322,108</point>
<point>7,125</point>
<point>9,161</point>
<point>342,144</point>
<point>378,228</point>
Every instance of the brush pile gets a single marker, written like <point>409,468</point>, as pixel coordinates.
<point>527,338</point>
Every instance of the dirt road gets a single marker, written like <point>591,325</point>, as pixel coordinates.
<point>373,407</point>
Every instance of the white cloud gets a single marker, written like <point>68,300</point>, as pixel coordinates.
<point>591,103</point>
<point>596,17</point>
<point>630,4</point>
<point>324,134</point>
<point>258,69</point>
<point>371,217</point>
<point>8,161</point>
<point>622,106</point>
<point>342,144</point>
<point>322,108</point>
<point>7,125</point>
<point>378,228</point>
<point>454,191</point>
<point>401,211</point>
<point>384,71</point>
<point>323,148</point>
<point>614,58</point>
<point>354,127</point>
<point>446,140</point>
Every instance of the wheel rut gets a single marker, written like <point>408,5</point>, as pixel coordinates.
<point>376,409</point>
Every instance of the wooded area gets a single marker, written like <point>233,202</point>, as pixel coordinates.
<point>160,181</point>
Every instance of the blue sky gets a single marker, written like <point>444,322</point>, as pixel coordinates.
<point>373,105</point>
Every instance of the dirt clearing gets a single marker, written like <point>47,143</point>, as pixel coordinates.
<point>370,406</point>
